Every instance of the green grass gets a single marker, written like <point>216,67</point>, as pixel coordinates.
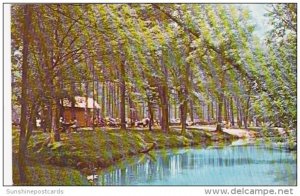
<point>40,174</point>
<point>57,163</point>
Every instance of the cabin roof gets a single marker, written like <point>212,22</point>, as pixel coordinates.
<point>81,103</point>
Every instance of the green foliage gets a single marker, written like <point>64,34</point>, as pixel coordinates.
<point>212,43</point>
<point>41,175</point>
<point>200,53</point>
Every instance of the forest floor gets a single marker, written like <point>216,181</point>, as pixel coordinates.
<point>80,154</point>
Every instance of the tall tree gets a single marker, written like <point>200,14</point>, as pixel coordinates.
<point>27,20</point>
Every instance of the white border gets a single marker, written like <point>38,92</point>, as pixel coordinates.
<point>7,162</point>
<point>171,190</point>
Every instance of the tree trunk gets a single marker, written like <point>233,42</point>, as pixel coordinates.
<point>159,116</point>
<point>150,114</point>
<point>143,109</point>
<point>212,110</point>
<point>164,108</point>
<point>48,123</point>
<point>241,116</point>
<point>24,100</point>
<point>239,113</point>
<point>56,120</point>
<point>73,113</point>
<point>192,110</point>
<point>228,109</point>
<point>97,95</point>
<point>175,110</point>
<point>31,121</point>
<point>94,99</point>
<point>86,114</point>
<point>208,113</point>
<point>108,95</point>
<point>98,99</point>
<point>103,101</point>
<point>183,109</point>
<point>189,84</point>
<point>231,111</point>
<point>225,110</point>
<point>183,117</point>
<point>246,113</point>
<point>61,108</point>
<point>220,105</point>
<point>44,118</point>
<point>117,107</point>
<point>112,101</point>
<point>203,110</point>
<point>238,117</point>
<point>73,101</point>
<point>122,96</point>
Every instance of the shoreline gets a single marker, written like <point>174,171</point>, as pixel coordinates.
<point>84,153</point>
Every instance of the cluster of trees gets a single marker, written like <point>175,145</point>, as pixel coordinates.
<point>162,55</point>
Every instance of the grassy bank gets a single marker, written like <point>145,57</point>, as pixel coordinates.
<point>79,154</point>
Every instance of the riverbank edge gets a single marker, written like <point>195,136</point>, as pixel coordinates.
<point>63,158</point>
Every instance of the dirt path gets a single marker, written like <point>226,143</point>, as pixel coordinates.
<point>241,133</point>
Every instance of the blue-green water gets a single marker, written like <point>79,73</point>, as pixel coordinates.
<point>231,165</point>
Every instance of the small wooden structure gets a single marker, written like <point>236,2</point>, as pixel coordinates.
<point>85,109</point>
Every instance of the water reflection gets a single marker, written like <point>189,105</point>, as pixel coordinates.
<point>239,165</point>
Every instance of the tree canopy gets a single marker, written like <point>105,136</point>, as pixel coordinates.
<point>186,61</point>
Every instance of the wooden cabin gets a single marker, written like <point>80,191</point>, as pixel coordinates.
<point>83,110</point>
